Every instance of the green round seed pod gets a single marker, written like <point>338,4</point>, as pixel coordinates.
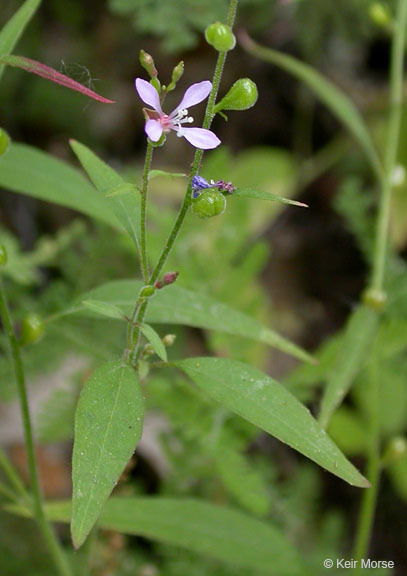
<point>395,449</point>
<point>374,298</point>
<point>220,36</point>
<point>380,14</point>
<point>4,141</point>
<point>32,329</point>
<point>209,204</point>
<point>242,96</point>
<point>3,255</point>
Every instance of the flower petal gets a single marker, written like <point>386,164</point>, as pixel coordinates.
<point>200,138</point>
<point>153,130</point>
<point>148,94</point>
<point>195,94</point>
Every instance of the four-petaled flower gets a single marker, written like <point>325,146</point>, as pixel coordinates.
<point>158,122</point>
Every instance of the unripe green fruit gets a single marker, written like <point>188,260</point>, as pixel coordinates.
<point>374,298</point>
<point>209,204</point>
<point>3,255</point>
<point>395,449</point>
<point>380,14</point>
<point>242,96</point>
<point>4,141</point>
<point>32,329</point>
<point>220,36</point>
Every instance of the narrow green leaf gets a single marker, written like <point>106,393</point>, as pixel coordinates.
<point>103,308</point>
<point>163,174</point>
<point>125,188</point>
<point>26,170</point>
<point>11,32</point>
<point>360,333</point>
<point>336,100</point>
<point>108,426</point>
<point>215,531</point>
<point>267,404</point>
<point>260,195</point>
<point>155,341</point>
<point>126,207</point>
<point>245,482</point>
<point>176,305</point>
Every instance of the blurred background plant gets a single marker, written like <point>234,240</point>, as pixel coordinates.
<point>305,270</point>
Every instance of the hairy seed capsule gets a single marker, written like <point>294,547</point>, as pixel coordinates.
<point>220,36</point>
<point>242,96</point>
<point>32,329</point>
<point>374,298</point>
<point>209,204</point>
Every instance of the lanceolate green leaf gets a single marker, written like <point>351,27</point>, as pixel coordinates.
<point>11,32</point>
<point>360,333</point>
<point>176,305</point>
<point>26,170</point>
<point>104,309</point>
<point>108,426</point>
<point>125,206</point>
<point>155,341</point>
<point>336,100</point>
<point>216,531</point>
<point>260,195</point>
<point>267,404</point>
<point>163,174</point>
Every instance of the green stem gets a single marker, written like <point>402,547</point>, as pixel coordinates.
<point>209,115</point>
<point>47,532</point>
<point>7,492</point>
<point>133,332</point>
<point>396,96</point>
<point>368,506</point>
<point>143,240</point>
<point>12,475</point>
<point>369,499</point>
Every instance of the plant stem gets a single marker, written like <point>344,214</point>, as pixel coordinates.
<point>209,115</point>
<point>368,506</point>
<point>396,97</point>
<point>133,333</point>
<point>369,499</point>
<point>47,532</point>
<point>12,475</point>
<point>143,241</point>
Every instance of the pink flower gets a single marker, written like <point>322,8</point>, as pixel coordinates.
<point>159,122</point>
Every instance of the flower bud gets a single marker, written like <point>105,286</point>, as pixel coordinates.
<point>220,36</point>
<point>166,280</point>
<point>380,14</point>
<point>177,72</point>
<point>374,298</point>
<point>4,141</point>
<point>169,339</point>
<point>3,255</point>
<point>32,329</point>
<point>395,449</point>
<point>147,62</point>
<point>156,83</point>
<point>242,96</point>
<point>209,204</point>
